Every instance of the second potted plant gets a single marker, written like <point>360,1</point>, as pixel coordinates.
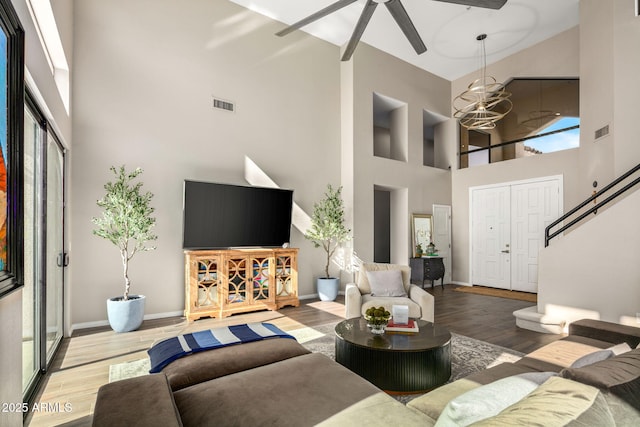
<point>328,231</point>
<point>127,223</point>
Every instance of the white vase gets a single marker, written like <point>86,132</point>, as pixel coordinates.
<point>126,316</point>
<point>328,288</point>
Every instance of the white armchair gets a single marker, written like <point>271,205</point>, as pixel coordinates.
<point>359,297</point>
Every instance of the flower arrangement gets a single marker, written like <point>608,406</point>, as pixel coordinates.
<point>377,316</point>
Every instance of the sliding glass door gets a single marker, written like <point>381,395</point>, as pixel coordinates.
<point>30,350</point>
<point>54,244</point>
<point>45,258</point>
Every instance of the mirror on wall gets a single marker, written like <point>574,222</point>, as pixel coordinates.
<point>421,226</point>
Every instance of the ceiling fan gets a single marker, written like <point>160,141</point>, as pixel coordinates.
<point>398,12</point>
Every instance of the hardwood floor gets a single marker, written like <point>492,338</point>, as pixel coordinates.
<point>82,363</point>
<point>486,318</point>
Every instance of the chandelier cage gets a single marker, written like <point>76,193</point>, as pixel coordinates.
<point>477,107</point>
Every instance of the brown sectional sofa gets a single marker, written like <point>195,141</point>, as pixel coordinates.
<point>586,337</point>
<point>278,382</point>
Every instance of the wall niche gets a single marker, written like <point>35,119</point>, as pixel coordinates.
<point>390,128</point>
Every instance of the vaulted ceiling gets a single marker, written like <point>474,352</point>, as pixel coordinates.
<point>448,30</point>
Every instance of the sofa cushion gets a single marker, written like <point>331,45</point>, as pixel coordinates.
<point>377,410</point>
<point>606,331</point>
<point>433,403</point>
<point>363,280</point>
<point>207,365</point>
<point>562,352</point>
<point>620,348</point>
<point>591,358</point>
<point>557,402</point>
<point>141,401</point>
<point>503,370</point>
<point>488,400</point>
<point>300,391</point>
<point>619,375</point>
<point>386,283</point>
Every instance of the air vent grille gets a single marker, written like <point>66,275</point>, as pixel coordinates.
<point>221,104</point>
<point>602,132</point>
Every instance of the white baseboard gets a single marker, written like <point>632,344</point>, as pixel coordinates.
<point>99,323</point>
<point>461,283</point>
<point>316,296</point>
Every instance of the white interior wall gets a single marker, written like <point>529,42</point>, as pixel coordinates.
<point>563,163</point>
<point>532,62</point>
<point>601,277</point>
<point>145,73</point>
<point>381,141</point>
<point>596,93</point>
<point>607,286</point>
<point>424,185</point>
<point>11,360</point>
<point>399,133</point>
<point>626,33</point>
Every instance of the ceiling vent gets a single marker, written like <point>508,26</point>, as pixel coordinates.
<point>221,104</point>
<point>602,132</point>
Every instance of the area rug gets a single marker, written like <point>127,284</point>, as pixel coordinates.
<point>502,293</point>
<point>468,355</point>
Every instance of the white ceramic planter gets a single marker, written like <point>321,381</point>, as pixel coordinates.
<point>328,288</point>
<point>126,316</point>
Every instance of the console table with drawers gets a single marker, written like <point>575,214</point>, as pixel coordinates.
<point>427,268</point>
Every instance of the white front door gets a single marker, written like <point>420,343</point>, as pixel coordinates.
<point>507,232</point>
<point>491,230</point>
<point>533,207</point>
<point>442,237</point>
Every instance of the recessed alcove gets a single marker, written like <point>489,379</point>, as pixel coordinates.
<point>390,128</point>
<point>432,151</point>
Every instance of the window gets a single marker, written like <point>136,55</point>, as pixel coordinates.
<point>11,133</point>
<point>545,118</point>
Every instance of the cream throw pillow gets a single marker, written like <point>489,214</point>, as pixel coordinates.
<point>486,401</point>
<point>386,283</point>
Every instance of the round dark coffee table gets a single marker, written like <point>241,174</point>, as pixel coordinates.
<point>396,362</point>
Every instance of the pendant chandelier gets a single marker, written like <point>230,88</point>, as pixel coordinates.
<point>485,101</point>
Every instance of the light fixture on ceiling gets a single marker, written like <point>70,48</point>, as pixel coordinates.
<point>485,101</point>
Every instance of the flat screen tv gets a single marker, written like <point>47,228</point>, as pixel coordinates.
<point>220,216</point>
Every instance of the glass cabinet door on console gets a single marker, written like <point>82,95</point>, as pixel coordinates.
<point>208,282</point>
<point>224,282</point>
<point>261,278</point>
<point>286,276</point>
<point>236,275</point>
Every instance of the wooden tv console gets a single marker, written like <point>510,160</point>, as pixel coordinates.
<point>219,283</point>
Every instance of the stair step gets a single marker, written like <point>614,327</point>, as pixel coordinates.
<point>529,318</point>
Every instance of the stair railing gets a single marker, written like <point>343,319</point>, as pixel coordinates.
<point>548,235</point>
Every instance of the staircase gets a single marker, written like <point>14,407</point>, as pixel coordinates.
<point>590,267</point>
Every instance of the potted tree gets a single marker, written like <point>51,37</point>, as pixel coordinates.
<point>127,223</point>
<point>328,231</point>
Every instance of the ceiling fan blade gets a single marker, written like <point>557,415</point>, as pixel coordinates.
<point>360,26</point>
<point>488,4</point>
<point>314,17</point>
<point>402,18</point>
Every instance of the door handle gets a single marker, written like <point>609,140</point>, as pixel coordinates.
<point>62,259</point>
<point>506,251</point>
